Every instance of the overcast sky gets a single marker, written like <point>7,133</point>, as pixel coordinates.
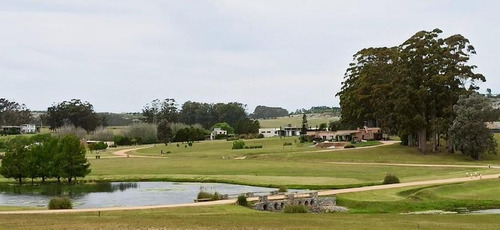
<point>120,55</point>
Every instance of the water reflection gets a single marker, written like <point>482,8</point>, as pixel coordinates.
<point>120,194</point>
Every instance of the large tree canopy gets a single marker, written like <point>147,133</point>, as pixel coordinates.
<point>264,112</point>
<point>75,112</point>
<point>470,134</point>
<point>409,89</point>
<point>13,113</point>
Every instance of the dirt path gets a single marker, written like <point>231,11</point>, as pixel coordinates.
<point>384,143</point>
<point>415,165</point>
<point>277,197</point>
<point>125,152</point>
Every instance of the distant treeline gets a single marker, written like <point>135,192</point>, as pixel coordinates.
<point>335,111</point>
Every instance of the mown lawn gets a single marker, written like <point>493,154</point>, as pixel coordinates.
<point>450,197</point>
<point>235,217</point>
<point>298,166</point>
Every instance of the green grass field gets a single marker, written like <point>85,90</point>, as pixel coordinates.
<point>236,217</point>
<point>472,195</point>
<point>298,166</point>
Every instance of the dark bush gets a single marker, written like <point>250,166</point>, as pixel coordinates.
<point>211,196</point>
<point>253,147</point>
<point>283,188</point>
<point>391,179</point>
<point>293,208</point>
<point>349,146</point>
<point>260,135</point>
<point>238,145</point>
<point>60,203</point>
<point>242,200</point>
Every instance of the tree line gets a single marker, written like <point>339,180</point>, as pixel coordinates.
<point>410,89</point>
<point>44,156</point>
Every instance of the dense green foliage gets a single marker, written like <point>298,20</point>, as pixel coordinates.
<point>210,196</point>
<point>295,208</point>
<point>165,133</point>
<point>13,113</point>
<point>190,134</point>
<point>44,156</point>
<point>283,188</point>
<point>157,111</point>
<point>60,203</point>
<point>238,144</point>
<point>410,89</point>
<point>390,179</point>
<point>242,200</point>
<point>224,126</point>
<point>78,113</point>
<point>470,134</point>
<point>265,112</point>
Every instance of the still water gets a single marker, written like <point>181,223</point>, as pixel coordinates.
<point>125,194</point>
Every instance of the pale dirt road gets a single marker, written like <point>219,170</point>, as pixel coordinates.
<point>277,197</point>
<point>415,165</point>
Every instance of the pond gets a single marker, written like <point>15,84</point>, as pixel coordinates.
<point>122,194</point>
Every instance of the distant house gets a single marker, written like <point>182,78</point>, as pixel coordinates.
<point>494,126</point>
<point>270,132</point>
<point>359,134</point>
<point>18,129</point>
<point>217,131</point>
<point>290,131</point>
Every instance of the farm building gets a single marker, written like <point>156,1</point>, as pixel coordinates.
<point>18,129</point>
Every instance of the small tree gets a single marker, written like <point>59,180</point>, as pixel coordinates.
<point>470,134</point>
<point>165,133</point>
<point>303,130</point>
<point>224,126</point>
<point>73,161</point>
<point>15,163</point>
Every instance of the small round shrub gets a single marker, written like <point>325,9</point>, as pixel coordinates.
<point>294,208</point>
<point>283,189</point>
<point>391,179</point>
<point>60,203</point>
<point>242,200</point>
<point>204,195</point>
<point>238,145</point>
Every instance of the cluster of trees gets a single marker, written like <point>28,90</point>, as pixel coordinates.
<point>13,113</point>
<point>44,156</point>
<point>410,89</point>
<point>265,112</point>
<point>335,111</point>
<point>197,117</point>
<point>75,112</point>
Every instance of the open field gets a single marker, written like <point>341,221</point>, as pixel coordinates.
<point>235,217</point>
<point>313,120</point>
<point>298,166</point>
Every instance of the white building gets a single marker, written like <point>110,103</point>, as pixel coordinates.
<point>270,132</point>
<point>217,131</point>
<point>26,128</point>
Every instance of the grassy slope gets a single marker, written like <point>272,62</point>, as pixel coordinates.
<point>234,217</point>
<point>274,165</point>
<point>473,195</point>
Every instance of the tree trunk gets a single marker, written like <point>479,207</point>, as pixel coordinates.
<point>43,179</point>
<point>449,144</point>
<point>69,180</point>
<point>410,140</point>
<point>422,136</point>
<point>20,180</point>
<point>59,179</point>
